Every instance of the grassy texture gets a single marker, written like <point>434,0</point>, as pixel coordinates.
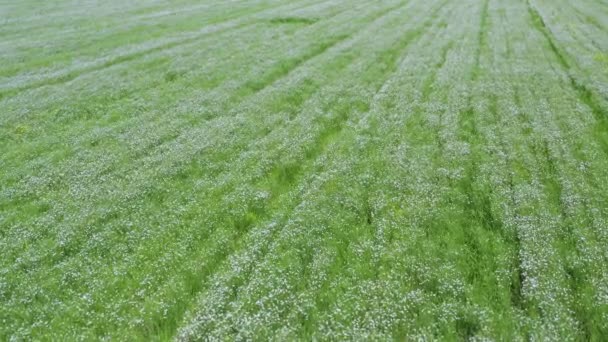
<point>304,169</point>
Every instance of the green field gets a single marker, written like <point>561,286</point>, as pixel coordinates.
<point>304,170</point>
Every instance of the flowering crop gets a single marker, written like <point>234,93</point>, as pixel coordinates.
<point>310,169</point>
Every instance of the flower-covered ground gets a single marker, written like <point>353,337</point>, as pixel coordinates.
<point>309,169</point>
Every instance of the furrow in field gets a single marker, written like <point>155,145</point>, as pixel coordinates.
<point>318,303</point>
<point>555,276</point>
<point>502,110</point>
<point>573,194</point>
<point>65,12</point>
<point>485,239</point>
<point>585,94</point>
<point>541,165</point>
<point>538,160</point>
<point>242,279</point>
<point>481,232</point>
<point>523,163</point>
<point>364,291</point>
<point>22,109</point>
<point>580,40</point>
<point>145,151</point>
<point>286,174</point>
<point>283,176</point>
<point>202,325</point>
<point>590,15</point>
<point>133,53</point>
<point>322,170</point>
<point>369,220</point>
<point>66,109</point>
<point>59,51</point>
<point>186,134</point>
<point>77,16</point>
<point>579,33</point>
<point>81,43</point>
<point>499,193</point>
<point>253,86</point>
<point>588,12</point>
<point>432,277</point>
<point>481,37</point>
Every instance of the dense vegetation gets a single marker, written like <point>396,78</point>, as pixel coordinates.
<point>258,169</point>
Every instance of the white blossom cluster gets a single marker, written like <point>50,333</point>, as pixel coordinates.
<point>304,170</point>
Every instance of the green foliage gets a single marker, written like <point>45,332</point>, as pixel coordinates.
<point>303,170</point>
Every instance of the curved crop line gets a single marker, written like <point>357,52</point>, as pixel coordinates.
<point>584,93</point>
<point>518,276</point>
<point>284,178</point>
<point>426,92</point>
<point>332,131</point>
<point>214,28</point>
<point>112,215</point>
<point>481,38</point>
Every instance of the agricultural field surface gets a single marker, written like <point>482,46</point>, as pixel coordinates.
<point>304,170</point>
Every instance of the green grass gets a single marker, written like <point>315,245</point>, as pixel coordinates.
<point>297,170</point>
